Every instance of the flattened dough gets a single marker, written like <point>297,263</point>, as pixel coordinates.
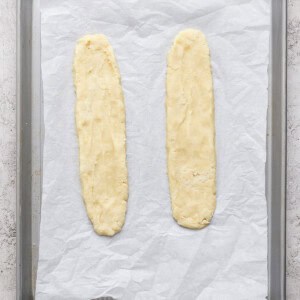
<point>190,130</point>
<point>100,121</point>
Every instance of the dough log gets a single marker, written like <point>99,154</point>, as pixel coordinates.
<point>190,130</point>
<point>100,122</point>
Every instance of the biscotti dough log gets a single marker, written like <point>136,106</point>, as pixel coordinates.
<point>100,121</point>
<point>190,130</point>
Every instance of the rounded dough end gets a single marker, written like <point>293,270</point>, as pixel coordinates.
<point>107,230</point>
<point>99,40</point>
<point>190,223</point>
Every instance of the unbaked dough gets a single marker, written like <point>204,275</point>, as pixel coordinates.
<point>190,130</point>
<point>100,121</point>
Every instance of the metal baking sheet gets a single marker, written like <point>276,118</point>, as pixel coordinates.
<point>29,148</point>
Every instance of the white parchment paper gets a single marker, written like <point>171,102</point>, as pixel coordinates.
<point>152,257</point>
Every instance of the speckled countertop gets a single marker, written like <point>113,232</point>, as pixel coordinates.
<point>8,150</point>
<point>293,138</point>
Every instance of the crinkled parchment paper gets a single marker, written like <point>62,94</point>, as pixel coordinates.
<point>153,258</point>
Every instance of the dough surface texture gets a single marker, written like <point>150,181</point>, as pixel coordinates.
<point>190,129</point>
<point>100,122</point>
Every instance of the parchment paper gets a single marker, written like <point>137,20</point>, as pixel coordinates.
<point>154,258</point>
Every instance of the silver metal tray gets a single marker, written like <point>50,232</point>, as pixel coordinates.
<point>29,148</point>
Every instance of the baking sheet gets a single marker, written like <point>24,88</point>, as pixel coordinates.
<point>154,258</point>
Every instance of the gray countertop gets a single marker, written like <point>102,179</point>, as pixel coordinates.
<point>8,150</point>
<point>293,162</point>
